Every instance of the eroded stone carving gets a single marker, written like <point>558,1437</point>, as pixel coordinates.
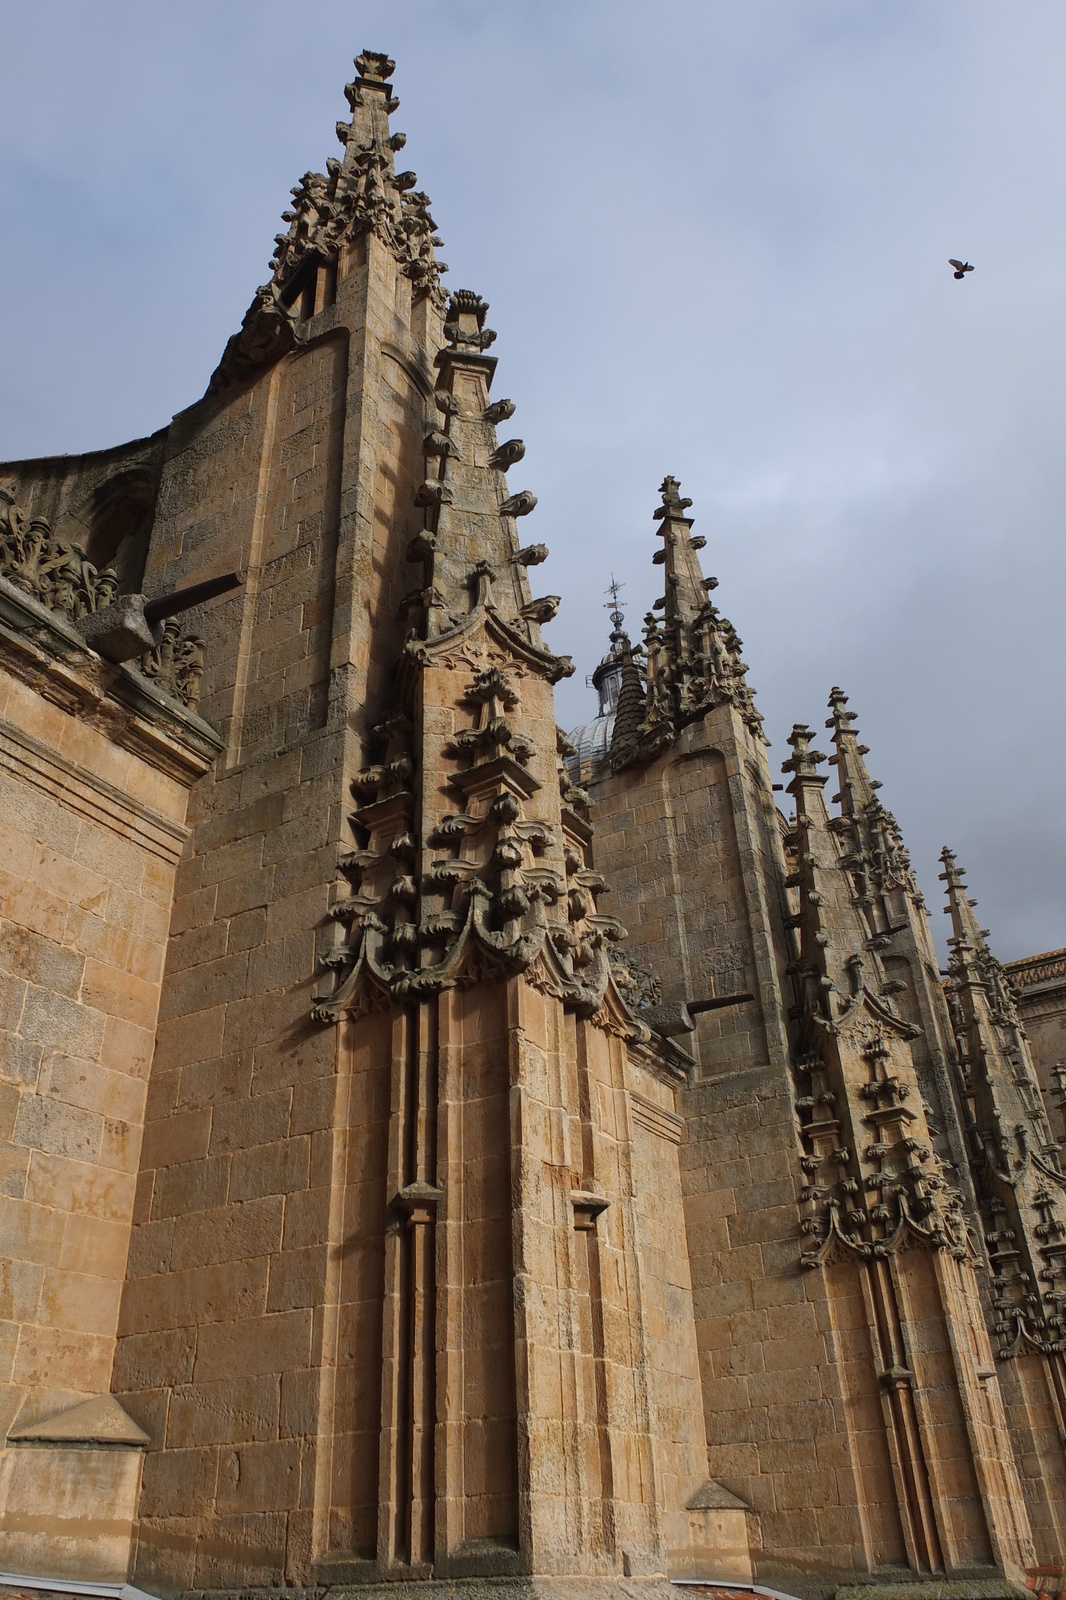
<point>501,882</point>
<point>55,572</point>
<point>359,194</point>
<point>176,665</point>
<point>58,574</point>
<point>691,656</point>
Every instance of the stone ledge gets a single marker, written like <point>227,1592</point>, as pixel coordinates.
<point>713,1496</point>
<point>484,1588</point>
<point>42,650</point>
<point>991,1588</point>
<point>99,1422</point>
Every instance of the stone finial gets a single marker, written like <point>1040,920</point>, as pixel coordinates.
<point>464,327</point>
<point>374,66</point>
<point>673,505</point>
<point>693,656</point>
<point>803,762</point>
<point>360,194</point>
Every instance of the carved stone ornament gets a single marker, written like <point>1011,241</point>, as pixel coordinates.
<point>1018,1168</point>
<point>362,193</point>
<point>497,882</point>
<point>58,574</point>
<point>53,571</point>
<point>875,1183</point>
<point>691,656</point>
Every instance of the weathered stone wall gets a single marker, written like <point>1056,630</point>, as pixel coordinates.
<point>1038,984</point>
<point>223,1332</point>
<point>689,846</point>
<point>101,501</point>
<point>666,1286</point>
<point>91,828</point>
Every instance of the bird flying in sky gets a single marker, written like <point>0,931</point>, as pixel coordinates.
<point>961,267</point>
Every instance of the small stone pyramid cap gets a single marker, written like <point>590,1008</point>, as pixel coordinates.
<point>712,1496</point>
<point>98,1421</point>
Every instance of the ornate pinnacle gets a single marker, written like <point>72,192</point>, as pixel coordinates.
<point>856,787</point>
<point>465,327</point>
<point>875,834</point>
<point>362,193</point>
<point>969,950</point>
<point>972,962</point>
<point>693,659</point>
<point>804,762</point>
<point>630,721</point>
<point>374,66</point>
<point>673,505</point>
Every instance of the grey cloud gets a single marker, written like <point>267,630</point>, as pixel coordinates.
<point>715,239</point>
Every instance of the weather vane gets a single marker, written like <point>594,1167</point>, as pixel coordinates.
<point>614,604</point>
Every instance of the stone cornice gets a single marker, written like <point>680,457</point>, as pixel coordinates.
<point>43,650</point>
<point>1042,972</point>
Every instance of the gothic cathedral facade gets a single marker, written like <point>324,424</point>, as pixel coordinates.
<point>437,1149</point>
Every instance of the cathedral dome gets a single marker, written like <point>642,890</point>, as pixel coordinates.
<point>592,740</point>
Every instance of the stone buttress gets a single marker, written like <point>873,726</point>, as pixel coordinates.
<point>888,1249</point>
<point>463,1240</point>
<point>407,1292</point>
<point>1017,1173</point>
<point>854,1405</point>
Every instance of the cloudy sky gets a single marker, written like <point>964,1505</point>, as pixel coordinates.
<point>714,234</point>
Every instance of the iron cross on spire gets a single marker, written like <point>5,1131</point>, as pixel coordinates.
<point>614,604</point>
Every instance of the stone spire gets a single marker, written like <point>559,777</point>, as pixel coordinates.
<point>876,851</point>
<point>360,193</point>
<point>855,1047</point>
<point>502,881</point>
<point>685,588</point>
<point>1014,1153</point>
<point>693,653</point>
<point>875,1190</point>
<point>896,923</point>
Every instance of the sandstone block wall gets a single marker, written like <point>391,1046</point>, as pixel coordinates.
<point>90,835</point>
<point>1038,984</point>
<point>95,767</point>
<point>234,1354</point>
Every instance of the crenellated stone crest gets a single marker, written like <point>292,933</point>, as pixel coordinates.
<point>54,571</point>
